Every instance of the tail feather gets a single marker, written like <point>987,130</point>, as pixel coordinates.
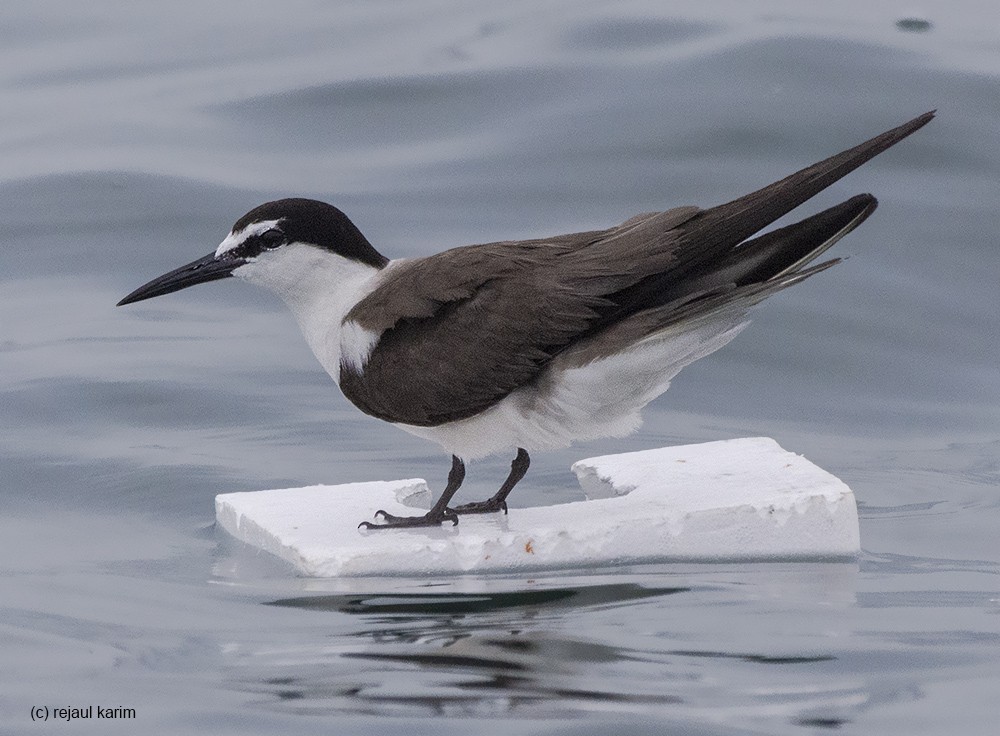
<point>719,228</point>
<point>787,249</point>
<point>717,274</point>
<point>767,257</point>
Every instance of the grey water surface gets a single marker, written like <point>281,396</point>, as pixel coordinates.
<point>133,135</point>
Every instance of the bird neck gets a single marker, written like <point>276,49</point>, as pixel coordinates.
<point>320,288</point>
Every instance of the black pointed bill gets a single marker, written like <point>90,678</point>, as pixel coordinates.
<point>201,271</point>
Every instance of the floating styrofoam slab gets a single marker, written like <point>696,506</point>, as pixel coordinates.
<point>745,499</point>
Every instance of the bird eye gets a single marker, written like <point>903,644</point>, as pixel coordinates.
<point>272,238</point>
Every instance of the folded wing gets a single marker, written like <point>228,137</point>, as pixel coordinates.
<point>473,324</point>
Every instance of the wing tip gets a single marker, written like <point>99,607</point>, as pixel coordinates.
<point>902,131</point>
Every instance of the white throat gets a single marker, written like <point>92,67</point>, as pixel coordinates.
<point>320,288</point>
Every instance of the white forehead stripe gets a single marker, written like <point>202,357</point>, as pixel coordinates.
<point>236,239</point>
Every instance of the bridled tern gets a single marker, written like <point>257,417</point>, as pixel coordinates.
<point>527,345</point>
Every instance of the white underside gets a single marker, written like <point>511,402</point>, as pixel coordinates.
<point>601,399</point>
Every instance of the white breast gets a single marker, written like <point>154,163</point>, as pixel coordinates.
<point>320,288</point>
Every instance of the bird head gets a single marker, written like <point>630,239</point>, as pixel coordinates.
<point>277,245</point>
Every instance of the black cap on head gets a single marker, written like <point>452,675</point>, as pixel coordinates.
<point>316,223</point>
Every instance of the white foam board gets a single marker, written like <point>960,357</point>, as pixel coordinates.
<point>735,500</point>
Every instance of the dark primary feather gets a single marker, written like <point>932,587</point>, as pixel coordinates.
<point>473,324</point>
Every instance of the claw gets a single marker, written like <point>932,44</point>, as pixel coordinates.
<point>402,522</point>
<point>438,514</point>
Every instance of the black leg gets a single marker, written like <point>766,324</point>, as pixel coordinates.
<point>499,500</point>
<point>438,514</point>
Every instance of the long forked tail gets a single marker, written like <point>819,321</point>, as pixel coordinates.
<point>716,266</point>
<point>786,250</point>
<point>714,252</point>
<point>769,263</point>
<point>727,224</point>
